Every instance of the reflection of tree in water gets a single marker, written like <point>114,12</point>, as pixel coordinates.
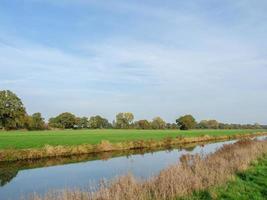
<point>9,170</point>
<point>189,148</point>
<point>7,174</point>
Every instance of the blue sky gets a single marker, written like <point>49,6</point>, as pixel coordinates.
<point>151,57</point>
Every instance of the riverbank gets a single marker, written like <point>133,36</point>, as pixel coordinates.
<point>106,146</point>
<point>38,139</point>
<point>192,173</point>
<point>249,184</point>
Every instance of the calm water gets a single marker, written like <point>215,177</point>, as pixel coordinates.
<point>23,178</point>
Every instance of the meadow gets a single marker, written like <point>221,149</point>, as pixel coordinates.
<point>38,139</point>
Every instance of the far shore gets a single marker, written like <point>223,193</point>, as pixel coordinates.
<point>107,146</point>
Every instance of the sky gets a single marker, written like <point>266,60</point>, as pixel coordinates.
<point>153,58</point>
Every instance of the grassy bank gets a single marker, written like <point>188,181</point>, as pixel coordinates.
<point>192,173</point>
<point>248,185</point>
<point>39,139</point>
<point>162,140</point>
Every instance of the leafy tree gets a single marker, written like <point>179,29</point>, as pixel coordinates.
<point>81,122</point>
<point>124,120</point>
<point>158,123</point>
<point>64,120</point>
<point>12,111</point>
<point>98,122</point>
<point>257,126</point>
<point>53,122</point>
<point>203,124</point>
<point>186,122</point>
<point>36,122</point>
<point>213,124</point>
<point>240,126</point>
<point>208,124</point>
<point>171,126</point>
<point>142,124</point>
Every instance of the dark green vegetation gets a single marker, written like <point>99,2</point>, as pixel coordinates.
<point>65,120</point>
<point>37,139</point>
<point>12,111</point>
<point>248,185</point>
<point>13,116</point>
<point>36,122</point>
<point>186,122</point>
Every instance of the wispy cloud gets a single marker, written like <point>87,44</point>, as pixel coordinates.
<point>153,59</point>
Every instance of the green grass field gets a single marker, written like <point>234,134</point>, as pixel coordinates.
<point>37,139</point>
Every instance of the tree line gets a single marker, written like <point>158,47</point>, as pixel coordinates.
<point>13,116</point>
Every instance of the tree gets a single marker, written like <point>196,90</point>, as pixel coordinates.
<point>158,123</point>
<point>36,122</point>
<point>186,122</point>
<point>12,111</point>
<point>53,122</point>
<point>171,126</point>
<point>64,120</point>
<point>124,120</point>
<point>213,124</point>
<point>208,124</point>
<point>257,126</point>
<point>142,124</point>
<point>81,122</point>
<point>98,122</point>
<point>203,124</point>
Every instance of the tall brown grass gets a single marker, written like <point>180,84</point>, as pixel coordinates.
<point>192,173</point>
<point>105,146</point>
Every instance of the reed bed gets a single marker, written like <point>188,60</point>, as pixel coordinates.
<point>191,173</point>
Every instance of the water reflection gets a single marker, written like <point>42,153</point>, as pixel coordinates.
<point>9,170</point>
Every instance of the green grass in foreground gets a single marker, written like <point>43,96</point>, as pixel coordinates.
<point>248,185</point>
<point>37,139</point>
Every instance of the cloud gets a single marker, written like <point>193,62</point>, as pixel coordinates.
<point>182,58</point>
<point>119,71</point>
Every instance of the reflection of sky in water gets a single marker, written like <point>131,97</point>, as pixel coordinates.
<point>82,174</point>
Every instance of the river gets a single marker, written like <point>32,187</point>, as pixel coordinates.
<point>20,179</point>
